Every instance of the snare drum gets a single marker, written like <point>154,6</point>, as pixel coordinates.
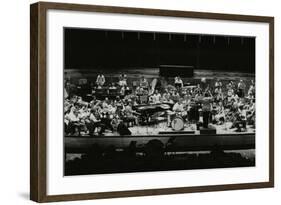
<point>177,123</point>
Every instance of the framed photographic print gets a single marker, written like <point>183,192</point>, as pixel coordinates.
<point>134,102</point>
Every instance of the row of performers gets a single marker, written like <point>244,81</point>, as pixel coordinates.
<point>96,116</point>
<point>142,96</point>
<point>150,93</point>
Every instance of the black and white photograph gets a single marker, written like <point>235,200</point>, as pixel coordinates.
<point>142,101</point>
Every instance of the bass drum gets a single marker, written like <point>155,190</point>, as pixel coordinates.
<point>177,123</point>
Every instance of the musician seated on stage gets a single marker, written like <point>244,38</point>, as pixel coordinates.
<point>144,83</point>
<point>230,85</point>
<point>241,88</point>
<point>240,119</point>
<point>155,98</point>
<point>122,80</point>
<point>100,81</point>
<point>166,97</point>
<point>112,86</point>
<point>72,121</point>
<point>251,110</point>
<point>94,122</point>
<point>180,108</point>
<point>218,94</point>
<point>223,105</point>
<point>128,117</point>
<point>208,91</point>
<point>106,111</point>
<point>218,84</point>
<point>178,82</point>
<point>198,90</point>
<point>140,91</point>
<point>118,103</point>
<point>175,96</point>
<point>218,113</point>
<point>69,89</point>
<point>251,92</point>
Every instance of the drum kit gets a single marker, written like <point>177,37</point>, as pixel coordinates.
<point>177,123</point>
<point>176,120</point>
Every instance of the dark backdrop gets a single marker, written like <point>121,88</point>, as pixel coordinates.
<point>107,49</point>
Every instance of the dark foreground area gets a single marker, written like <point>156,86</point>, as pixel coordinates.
<point>127,161</point>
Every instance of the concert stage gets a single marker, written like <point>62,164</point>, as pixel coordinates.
<point>156,102</point>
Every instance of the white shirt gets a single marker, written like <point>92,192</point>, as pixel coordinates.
<point>156,98</point>
<point>178,81</point>
<point>72,117</point>
<point>100,80</point>
<point>93,118</point>
<point>178,107</point>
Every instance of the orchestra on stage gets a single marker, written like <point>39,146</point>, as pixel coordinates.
<point>123,107</point>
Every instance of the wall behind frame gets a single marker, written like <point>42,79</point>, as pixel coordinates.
<point>14,85</point>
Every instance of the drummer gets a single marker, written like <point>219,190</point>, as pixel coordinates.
<point>179,108</point>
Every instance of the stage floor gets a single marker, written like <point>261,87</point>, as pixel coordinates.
<point>188,129</point>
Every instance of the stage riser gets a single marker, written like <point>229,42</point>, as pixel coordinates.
<point>172,143</point>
